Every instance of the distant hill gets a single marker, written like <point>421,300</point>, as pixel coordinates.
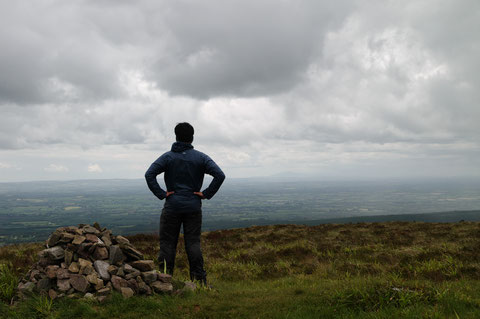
<point>440,217</point>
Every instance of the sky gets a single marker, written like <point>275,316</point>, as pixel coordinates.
<point>327,89</point>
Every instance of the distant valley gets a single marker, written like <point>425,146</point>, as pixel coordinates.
<point>30,211</point>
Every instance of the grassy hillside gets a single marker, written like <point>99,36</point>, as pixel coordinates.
<point>364,270</point>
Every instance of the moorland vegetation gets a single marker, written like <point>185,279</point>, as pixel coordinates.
<point>358,270</point>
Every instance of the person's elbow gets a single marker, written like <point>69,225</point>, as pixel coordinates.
<point>149,175</point>
<point>221,176</point>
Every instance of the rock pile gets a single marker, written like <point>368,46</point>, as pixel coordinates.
<point>89,261</point>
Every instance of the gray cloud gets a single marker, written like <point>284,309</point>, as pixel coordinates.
<point>243,48</point>
<point>267,84</point>
<point>57,52</point>
<point>382,80</point>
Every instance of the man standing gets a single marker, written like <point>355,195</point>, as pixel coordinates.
<point>184,170</point>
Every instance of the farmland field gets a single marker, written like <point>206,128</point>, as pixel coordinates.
<point>30,211</point>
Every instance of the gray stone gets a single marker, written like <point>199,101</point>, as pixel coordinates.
<point>44,284</point>
<point>68,257</point>
<point>100,284</point>
<point>118,283</point>
<point>66,238</point>
<point>164,277</point>
<point>93,279</point>
<point>91,249</point>
<point>26,287</point>
<point>78,239</point>
<point>51,271</point>
<point>92,238</point>
<point>74,267</point>
<point>162,287</point>
<point>132,283</point>
<point>90,230</point>
<point>79,282</point>
<point>190,286</point>
<point>53,239</point>
<point>63,284</point>
<point>89,295</point>
<point>133,275</point>
<point>112,270</point>
<point>149,276</point>
<point>128,269</point>
<point>87,270</point>
<point>120,272</point>
<point>116,255</point>
<point>100,253</point>
<point>83,250</point>
<point>44,262</point>
<point>106,240</point>
<point>84,263</point>
<point>122,240</point>
<point>106,232</point>
<point>97,226</point>
<point>34,275</point>
<point>71,229</point>
<point>143,265</point>
<point>63,274</point>
<point>143,288</point>
<point>54,253</point>
<point>131,252</point>
<point>103,291</point>
<point>102,269</point>
<point>126,292</point>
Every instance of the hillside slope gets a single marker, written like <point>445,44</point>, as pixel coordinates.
<point>402,269</point>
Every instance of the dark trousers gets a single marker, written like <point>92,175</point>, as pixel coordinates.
<point>170,223</point>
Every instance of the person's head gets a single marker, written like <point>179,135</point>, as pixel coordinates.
<point>184,132</point>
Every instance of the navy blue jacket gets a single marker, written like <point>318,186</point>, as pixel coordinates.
<point>184,170</point>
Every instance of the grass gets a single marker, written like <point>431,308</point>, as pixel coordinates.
<point>364,270</point>
<point>8,283</point>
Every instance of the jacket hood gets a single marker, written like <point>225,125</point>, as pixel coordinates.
<point>181,146</point>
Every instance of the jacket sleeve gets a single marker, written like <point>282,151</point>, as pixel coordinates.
<point>211,168</point>
<point>155,169</point>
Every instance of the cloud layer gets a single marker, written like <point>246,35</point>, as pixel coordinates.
<point>352,89</point>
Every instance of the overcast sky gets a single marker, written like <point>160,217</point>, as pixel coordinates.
<point>333,89</point>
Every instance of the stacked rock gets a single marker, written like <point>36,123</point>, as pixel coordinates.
<point>90,261</point>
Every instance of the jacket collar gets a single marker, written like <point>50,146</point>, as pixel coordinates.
<point>181,146</point>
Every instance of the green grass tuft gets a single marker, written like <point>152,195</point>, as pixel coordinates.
<point>8,283</point>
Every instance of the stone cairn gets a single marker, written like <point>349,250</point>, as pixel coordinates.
<point>89,261</point>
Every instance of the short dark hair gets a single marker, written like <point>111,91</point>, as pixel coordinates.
<point>184,132</point>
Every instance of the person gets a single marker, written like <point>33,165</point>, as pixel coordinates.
<point>184,169</point>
